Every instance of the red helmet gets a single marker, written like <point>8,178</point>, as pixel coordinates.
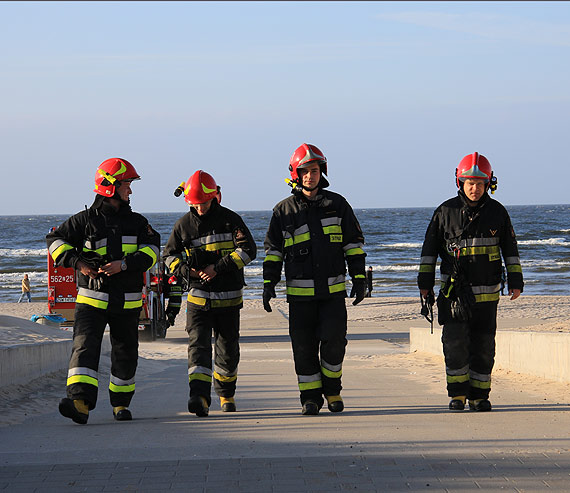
<point>305,155</point>
<point>474,166</point>
<point>112,171</point>
<point>200,188</point>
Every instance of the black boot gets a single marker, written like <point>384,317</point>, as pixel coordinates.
<point>310,408</point>
<point>480,405</point>
<point>198,405</point>
<point>76,410</point>
<point>121,413</point>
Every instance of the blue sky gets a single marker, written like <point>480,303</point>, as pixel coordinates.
<point>394,94</point>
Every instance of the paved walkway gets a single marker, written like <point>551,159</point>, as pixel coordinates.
<point>395,434</point>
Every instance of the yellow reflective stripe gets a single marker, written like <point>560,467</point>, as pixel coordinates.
<point>150,252</point>
<point>355,251</point>
<point>337,287</point>
<point>457,378</point>
<point>487,297</point>
<point>196,301</point>
<point>128,248</point>
<point>427,268</point>
<point>220,245</point>
<point>132,304</point>
<point>223,378</point>
<point>359,276</point>
<point>60,250</point>
<point>335,228</point>
<point>237,259</point>
<point>514,268</point>
<point>297,239</point>
<point>480,385</point>
<point>301,291</point>
<point>121,388</point>
<point>101,250</point>
<point>480,250</point>
<point>310,385</point>
<point>92,301</point>
<point>225,303</point>
<point>331,374</point>
<point>273,258</point>
<point>82,379</point>
<point>200,376</point>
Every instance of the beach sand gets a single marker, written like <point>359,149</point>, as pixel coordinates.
<point>383,314</point>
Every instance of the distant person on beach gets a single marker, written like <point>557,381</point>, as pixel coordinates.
<point>26,290</point>
<point>110,247</point>
<point>369,274</point>
<point>469,233</point>
<point>315,234</point>
<point>207,251</point>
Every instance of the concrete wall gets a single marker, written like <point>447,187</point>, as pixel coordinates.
<point>542,354</point>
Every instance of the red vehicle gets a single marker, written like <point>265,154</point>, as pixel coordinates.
<point>62,291</point>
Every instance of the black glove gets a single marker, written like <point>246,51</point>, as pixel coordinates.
<point>268,293</point>
<point>359,286</point>
<point>170,317</point>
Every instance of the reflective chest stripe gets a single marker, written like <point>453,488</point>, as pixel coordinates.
<point>306,287</point>
<point>300,235</point>
<point>332,227</point>
<point>130,244</point>
<point>211,243</point>
<point>99,246</point>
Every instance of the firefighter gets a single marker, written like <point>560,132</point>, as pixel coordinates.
<point>207,250</point>
<point>315,234</point>
<point>470,232</point>
<point>173,291</point>
<point>110,247</point>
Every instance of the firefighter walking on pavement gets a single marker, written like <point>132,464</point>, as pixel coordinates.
<point>207,251</point>
<point>470,232</point>
<point>110,247</point>
<point>315,234</point>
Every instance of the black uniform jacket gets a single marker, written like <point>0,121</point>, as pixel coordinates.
<point>315,239</point>
<point>99,235</point>
<point>219,237</point>
<point>478,235</point>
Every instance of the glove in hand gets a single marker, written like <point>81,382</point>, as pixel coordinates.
<point>359,290</point>
<point>268,293</point>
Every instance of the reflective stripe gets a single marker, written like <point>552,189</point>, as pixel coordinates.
<point>480,385</point>
<point>200,373</point>
<point>223,372</point>
<point>57,248</point>
<point>514,268</point>
<point>354,251</point>
<point>457,378</point>
<point>480,298</point>
<point>308,382</point>
<point>218,299</point>
<point>512,260</point>
<point>132,300</point>
<point>99,247</point>
<point>83,379</point>
<point>482,377</point>
<point>331,371</point>
<point>152,251</point>
<point>300,287</point>
<point>273,258</point>
<point>274,253</point>
<point>480,250</point>
<point>460,371</point>
<point>300,235</point>
<point>359,276</point>
<point>486,289</point>
<point>352,246</point>
<point>331,220</point>
<point>428,260</point>
<point>223,378</point>
<point>130,244</point>
<point>82,370</point>
<point>336,284</point>
<point>212,239</point>
<point>96,299</point>
<point>332,230</point>
<point>427,268</point>
<point>119,385</point>
<point>477,242</point>
<point>240,257</point>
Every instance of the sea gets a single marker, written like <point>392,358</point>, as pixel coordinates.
<point>393,241</point>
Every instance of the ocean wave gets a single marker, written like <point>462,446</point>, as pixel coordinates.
<point>400,245</point>
<point>547,241</point>
<point>23,252</point>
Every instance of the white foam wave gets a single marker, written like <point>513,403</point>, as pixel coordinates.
<point>23,252</point>
<point>400,245</point>
<point>546,241</point>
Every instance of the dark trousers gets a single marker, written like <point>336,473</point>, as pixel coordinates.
<point>224,322</point>
<point>88,329</point>
<point>318,336</point>
<point>469,349</point>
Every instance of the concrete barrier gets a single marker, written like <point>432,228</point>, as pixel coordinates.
<point>542,354</point>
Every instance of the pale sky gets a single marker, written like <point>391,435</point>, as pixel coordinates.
<point>393,93</point>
